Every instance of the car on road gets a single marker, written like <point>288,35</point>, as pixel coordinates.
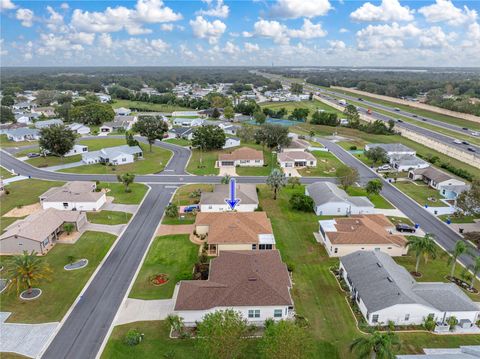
<point>471,149</point>
<point>424,119</point>
<point>360,99</point>
<point>397,109</point>
<point>402,227</point>
<point>458,142</point>
<point>465,128</point>
<point>475,133</point>
<point>33,155</point>
<point>465,143</point>
<point>399,120</point>
<point>414,115</point>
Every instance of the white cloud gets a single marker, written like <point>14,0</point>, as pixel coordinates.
<point>105,40</point>
<point>64,6</point>
<point>337,45</point>
<point>85,38</point>
<point>55,21</point>
<point>230,48</point>
<point>120,17</point>
<point>388,10</point>
<point>281,34</point>
<point>7,5</point>
<point>219,10</point>
<point>25,16</point>
<point>204,29</point>
<point>473,37</point>
<point>436,38</point>
<point>186,52</point>
<point>445,11</point>
<point>3,51</point>
<point>167,27</point>
<point>250,47</point>
<point>343,30</point>
<point>386,37</point>
<point>159,45</point>
<point>293,9</point>
<point>307,31</point>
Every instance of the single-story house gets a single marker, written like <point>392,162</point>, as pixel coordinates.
<point>48,123</point>
<point>79,128</point>
<point>22,134</point>
<point>333,201</point>
<point>345,235</point>
<point>229,129</point>
<point>462,352</point>
<point>385,291</point>
<point>392,149</point>
<point>103,97</point>
<point>39,231</point>
<point>448,186</point>
<point>119,122</point>
<point>77,150</point>
<point>232,231</point>
<point>184,113</point>
<point>188,122</point>
<point>45,111</point>
<point>404,163</point>
<point>297,159</point>
<point>118,155</point>
<point>255,283</point>
<point>74,196</point>
<point>181,132</point>
<point>4,127</point>
<point>122,111</point>
<point>296,145</point>
<point>244,156</point>
<point>215,201</point>
<point>24,105</point>
<point>231,142</point>
<point>26,118</point>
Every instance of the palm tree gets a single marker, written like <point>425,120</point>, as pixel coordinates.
<point>460,248</point>
<point>423,247</point>
<point>27,269</point>
<point>379,345</point>
<point>475,268</point>
<point>276,180</point>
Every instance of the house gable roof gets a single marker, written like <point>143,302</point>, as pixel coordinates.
<point>327,192</point>
<point>247,193</point>
<point>242,153</point>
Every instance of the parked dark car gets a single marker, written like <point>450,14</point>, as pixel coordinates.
<point>33,155</point>
<point>465,143</point>
<point>414,115</point>
<point>402,227</point>
<point>360,99</point>
<point>465,128</point>
<point>192,208</point>
<point>471,149</point>
<point>424,119</point>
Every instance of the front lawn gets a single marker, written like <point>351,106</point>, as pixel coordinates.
<point>48,161</point>
<point>117,191</point>
<point>173,255</point>
<point>420,193</point>
<point>178,141</point>
<point>5,142</point>
<point>327,164</point>
<point>183,218</point>
<point>377,199</point>
<point>457,219</point>
<point>313,106</point>
<point>4,173</point>
<point>64,286</point>
<point>139,106</point>
<point>109,217</point>
<point>397,220</point>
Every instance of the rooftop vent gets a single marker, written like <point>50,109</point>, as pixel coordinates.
<point>252,279</point>
<point>390,279</point>
<point>379,265</point>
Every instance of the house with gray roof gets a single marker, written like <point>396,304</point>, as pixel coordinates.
<point>188,122</point>
<point>385,291</point>
<point>448,186</point>
<point>22,134</point>
<point>118,155</point>
<point>392,149</point>
<point>333,201</point>
<point>462,352</point>
<point>181,132</point>
<point>48,123</point>
<point>215,201</point>
<point>404,163</point>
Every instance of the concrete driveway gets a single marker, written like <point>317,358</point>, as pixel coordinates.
<point>135,310</point>
<point>166,229</point>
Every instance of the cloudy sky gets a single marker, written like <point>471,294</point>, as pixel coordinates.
<point>242,32</point>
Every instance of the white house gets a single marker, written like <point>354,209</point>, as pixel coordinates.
<point>243,157</point>
<point>78,196</point>
<point>404,163</point>
<point>185,113</point>
<point>254,283</point>
<point>119,155</point>
<point>22,134</point>
<point>332,201</point>
<point>385,291</point>
<point>448,186</point>
<point>181,132</point>
<point>392,149</point>
<point>215,201</point>
<point>48,123</point>
<point>79,128</point>
<point>231,142</point>
<point>188,122</point>
<point>122,111</point>
<point>123,122</point>
<point>103,97</point>
<point>297,159</point>
<point>77,150</point>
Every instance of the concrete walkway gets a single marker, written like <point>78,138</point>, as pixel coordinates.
<point>64,166</point>
<point>14,179</point>
<point>167,229</point>
<point>119,207</point>
<point>24,339</point>
<point>390,212</point>
<point>112,229</point>
<point>135,310</point>
<point>291,172</point>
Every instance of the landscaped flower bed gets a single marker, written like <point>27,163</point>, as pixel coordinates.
<point>462,284</point>
<point>159,279</point>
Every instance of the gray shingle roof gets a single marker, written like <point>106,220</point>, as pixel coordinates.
<point>382,283</point>
<point>246,192</point>
<point>326,192</point>
<point>48,123</point>
<point>20,132</point>
<point>391,147</point>
<point>407,160</point>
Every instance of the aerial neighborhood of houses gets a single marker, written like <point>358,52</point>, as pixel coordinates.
<point>228,205</point>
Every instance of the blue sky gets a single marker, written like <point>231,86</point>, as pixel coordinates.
<point>216,32</point>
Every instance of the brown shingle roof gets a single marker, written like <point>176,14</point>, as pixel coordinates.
<point>365,229</point>
<point>433,174</point>
<point>243,153</point>
<point>234,227</point>
<point>77,191</point>
<point>238,278</point>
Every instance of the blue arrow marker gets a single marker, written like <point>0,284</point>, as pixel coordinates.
<point>232,201</point>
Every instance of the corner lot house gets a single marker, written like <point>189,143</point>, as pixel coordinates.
<point>298,159</point>
<point>235,231</point>
<point>74,196</point>
<point>333,201</point>
<point>342,236</point>
<point>215,201</point>
<point>22,134</point>
<point>119,155</point>
<point>256,284</point>
<point>48,123</point>
<point>385,291</point>
<point>77,150</point>
<point>38,232</point>
<point>448,186</point>
<point>243,157</point>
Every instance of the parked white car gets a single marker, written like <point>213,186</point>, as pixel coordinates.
<point>384,168</point>
<point>458,142</point>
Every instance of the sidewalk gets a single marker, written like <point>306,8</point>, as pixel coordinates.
<point>62,167</point>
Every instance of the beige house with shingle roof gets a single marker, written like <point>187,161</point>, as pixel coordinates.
<point>38,232</point>
<point>215,201</point>
<point>243,157</point>
<point>297,159</point>
<point>76,195</point>
<point>342,236</point>
<point>255,283</point>
<point>235,231</point>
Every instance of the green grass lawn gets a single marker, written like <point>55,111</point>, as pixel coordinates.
<point>117,191</point>
<point>397,220</point>
<point>183,197</point>
<point>25,152</point>
<point>5,142</point>
<point>420,192</point>
<point>178,141</point>
<point>64,286</point>
<point>4,173</point>
<point>462,219</point>
<point>173,255</point>
<point>327,164</point>
<point>109,217</point>
<point>147,106</point>
<point>48,161</point>
<point>313,106</point>
<point>377,199</point>
<point>184,218</point>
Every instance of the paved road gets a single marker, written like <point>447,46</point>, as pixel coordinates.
<point>85,329</point>
<point>427,221</point>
